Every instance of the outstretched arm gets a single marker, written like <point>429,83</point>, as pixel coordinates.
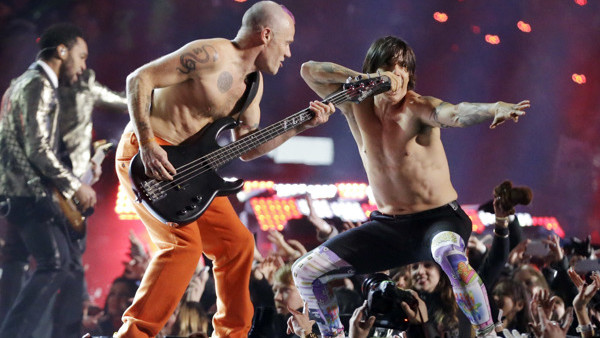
<point>443,114</point>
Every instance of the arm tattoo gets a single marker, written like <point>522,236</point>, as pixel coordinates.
<point>200,55</point>
<point>435,115</point>
<point>469,114</point>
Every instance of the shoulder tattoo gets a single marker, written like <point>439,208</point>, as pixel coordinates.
<point>198,55</point>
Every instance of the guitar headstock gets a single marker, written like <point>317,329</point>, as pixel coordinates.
<point>362,88</point>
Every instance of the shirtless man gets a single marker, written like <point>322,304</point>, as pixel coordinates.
<point>170,99</point>
<point>418,218</point>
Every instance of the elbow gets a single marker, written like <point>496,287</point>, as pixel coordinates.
<point>135,81</point>
<point>307,71</point>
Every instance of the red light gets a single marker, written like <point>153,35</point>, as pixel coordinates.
<point>492,39</point>
<point>578,78</point>
<point>524,27</point>
<point>475,29</point>
<point>440,16</point>
<point>239,0</point>
<point>581,2</point>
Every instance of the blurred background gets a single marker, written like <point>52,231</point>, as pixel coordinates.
<point>467,50</point>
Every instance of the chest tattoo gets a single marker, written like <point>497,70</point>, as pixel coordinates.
<point>224,82</point>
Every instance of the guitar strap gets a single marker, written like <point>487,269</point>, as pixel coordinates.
<point>253,80</point>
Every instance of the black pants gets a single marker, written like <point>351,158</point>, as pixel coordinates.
<point>37,228</point>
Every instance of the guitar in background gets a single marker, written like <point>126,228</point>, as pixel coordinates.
<point>70,207</point>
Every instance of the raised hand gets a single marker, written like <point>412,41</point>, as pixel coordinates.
<point>359,326</point>
<point>299,323</point>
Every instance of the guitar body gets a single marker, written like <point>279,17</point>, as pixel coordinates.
<point>184,199</point>
<point>74,217</point>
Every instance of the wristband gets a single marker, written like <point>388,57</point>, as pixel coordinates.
<point>502,221</point>
<point>501,232</point>
<point>585,328</point>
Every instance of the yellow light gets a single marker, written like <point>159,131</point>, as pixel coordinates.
<point>440,16</point>
<point>492,39</point>
<point>578,78</point>
<point>524,27</point>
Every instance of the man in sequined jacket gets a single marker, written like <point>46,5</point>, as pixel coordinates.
<point>29,170</point>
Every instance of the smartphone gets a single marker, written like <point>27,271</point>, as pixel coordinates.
<point>537,249</point>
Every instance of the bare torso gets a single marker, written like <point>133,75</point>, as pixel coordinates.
<point>181,110</point>
<point>404,158</point>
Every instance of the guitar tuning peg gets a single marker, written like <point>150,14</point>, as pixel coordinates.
<point>349,79</point>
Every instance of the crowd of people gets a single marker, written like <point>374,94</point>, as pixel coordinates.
<point>414,269</point>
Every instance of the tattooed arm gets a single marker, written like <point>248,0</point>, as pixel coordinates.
<point>438,113</point>
<point>174,68</point>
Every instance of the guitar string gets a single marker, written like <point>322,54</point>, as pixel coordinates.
<point>216,159</point>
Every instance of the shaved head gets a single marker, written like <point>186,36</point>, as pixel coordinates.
<point>265,14</point>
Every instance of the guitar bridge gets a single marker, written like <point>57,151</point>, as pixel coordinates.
<point>153,191</point>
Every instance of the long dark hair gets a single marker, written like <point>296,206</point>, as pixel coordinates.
<point>389,51</point>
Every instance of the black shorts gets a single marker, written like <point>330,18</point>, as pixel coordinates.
<point>389,241</point>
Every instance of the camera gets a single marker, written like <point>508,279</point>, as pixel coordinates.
<point>384,301</point>
<point>510,196</point>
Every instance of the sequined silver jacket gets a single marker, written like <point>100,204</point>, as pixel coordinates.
<point>28,139</point>
<point>75,119</point>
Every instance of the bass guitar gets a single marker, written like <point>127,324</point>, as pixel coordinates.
<point>70,207</point>
<point>197,159</point>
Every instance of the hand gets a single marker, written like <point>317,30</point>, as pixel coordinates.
<point>514,334</point>
<point>85,197</point>
<point>359,328</point>
<point>517,255</point>
<point>283,247</point>
<point>314,219</point>
<point>556,252</point>
<point>300,249</point>
<point>155,161</point>
<point>136,248</point>
<point>322,112</point>
<point>542,326</point>
<point>299,323</point>
<point>266,269</point>
<point>90,322</point>
<point>586,291</point>
<point>418,315</point>
<point>498,210</point>
<point>97,172</point>
<point>504,111</point>
<point>394,81</point>
<point>541,300</point>
<point>477,245</point>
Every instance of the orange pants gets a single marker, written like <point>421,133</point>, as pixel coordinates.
<point>219,234</point>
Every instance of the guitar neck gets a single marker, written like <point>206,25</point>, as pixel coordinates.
<point>356,92</point>
<point>240,147</point>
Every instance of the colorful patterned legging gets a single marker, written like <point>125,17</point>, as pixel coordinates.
<point>390,241</point>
